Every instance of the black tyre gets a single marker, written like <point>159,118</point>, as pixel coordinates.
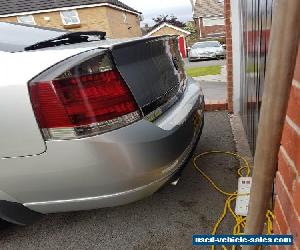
<point>4,224</point>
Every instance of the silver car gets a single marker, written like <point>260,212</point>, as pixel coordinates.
<point>89,122</point>
<point>206,50</point>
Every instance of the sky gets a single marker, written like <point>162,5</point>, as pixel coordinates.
<point>182,9</point>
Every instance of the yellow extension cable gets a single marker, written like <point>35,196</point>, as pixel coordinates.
<point>240,221</point>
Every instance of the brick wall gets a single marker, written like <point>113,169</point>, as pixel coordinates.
<point>91,19</point>
<point>210,30</point>
<point>120,28</point>
<point>287,183</point>
<point>204,31</point>
<point>105,19</point>
<point>215,29</point>
<point>228,34</point>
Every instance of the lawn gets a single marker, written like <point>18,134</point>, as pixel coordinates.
<point>204,71</point>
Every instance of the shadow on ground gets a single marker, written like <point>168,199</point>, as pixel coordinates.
<point>166,220</point>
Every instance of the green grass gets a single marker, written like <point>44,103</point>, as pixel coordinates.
<point>204,71</point>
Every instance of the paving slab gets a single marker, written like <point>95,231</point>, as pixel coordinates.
<point>214,90</point>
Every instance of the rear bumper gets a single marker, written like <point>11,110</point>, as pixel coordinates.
<point>107,170</point>
<point>18,214</point>
<point>221,55</point>
<point>114,199</point>
<point>200,57</point>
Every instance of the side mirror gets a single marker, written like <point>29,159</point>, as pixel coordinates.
<point>224,46</point>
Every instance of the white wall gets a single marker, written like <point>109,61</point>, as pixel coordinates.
<point>236,53</point>
<point>193,3</point>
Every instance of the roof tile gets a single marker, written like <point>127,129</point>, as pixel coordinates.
<point>209,8</point>
<point>18,6</point>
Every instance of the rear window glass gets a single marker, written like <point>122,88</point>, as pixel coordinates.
<point>16,37</point>
<point>206,44</point>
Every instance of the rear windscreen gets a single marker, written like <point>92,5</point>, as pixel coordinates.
<point>16,37</point>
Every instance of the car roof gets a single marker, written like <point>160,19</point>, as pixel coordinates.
<point>208,41</point>
<point>16,37</point>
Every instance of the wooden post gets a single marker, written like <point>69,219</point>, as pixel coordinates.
<point>279,74</point>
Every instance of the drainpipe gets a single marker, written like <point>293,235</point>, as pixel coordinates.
<point>279,75</point>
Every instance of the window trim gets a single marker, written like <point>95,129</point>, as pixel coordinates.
<point>32,18</point>
<point>63,18</point>
<point>220,21</point>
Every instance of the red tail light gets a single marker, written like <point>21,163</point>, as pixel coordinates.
<point>83,104</point>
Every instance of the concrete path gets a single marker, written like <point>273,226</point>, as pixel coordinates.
<point>166,220</point>
<point>214,90</point>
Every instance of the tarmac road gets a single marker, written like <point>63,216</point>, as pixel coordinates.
<point>204,63</point>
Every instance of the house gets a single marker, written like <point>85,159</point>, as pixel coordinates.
<point>165,28</point>
<point>209,18</point>
<point>112,16</point>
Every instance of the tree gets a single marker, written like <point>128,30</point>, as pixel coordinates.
<point>168,19</point>
<point>190,27</point>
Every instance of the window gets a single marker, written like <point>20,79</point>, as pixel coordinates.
<point>29,19</point>
<point>70,17</point>
<point>125,17</point>
<point>213,21</point>
<point>206,44</point>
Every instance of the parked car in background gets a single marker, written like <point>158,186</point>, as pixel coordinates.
<point>206,50</point>
<point>90,122</point>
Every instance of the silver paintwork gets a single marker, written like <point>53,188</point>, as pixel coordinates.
<point>19,132</point>
<point>106,170</point>
<point>207,52</point>
<point>114,199</point>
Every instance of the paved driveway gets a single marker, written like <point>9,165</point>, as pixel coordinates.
<point>214,90</point>
<point>166,220</point>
